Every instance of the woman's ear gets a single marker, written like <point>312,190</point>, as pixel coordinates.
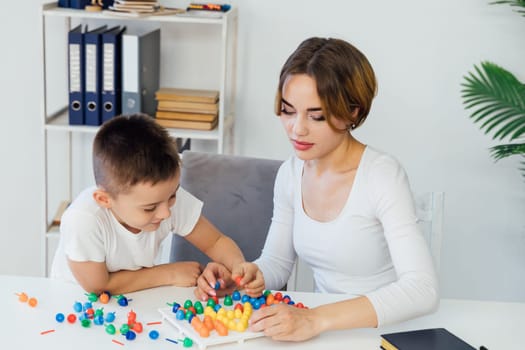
<point>356,118</point>
<point>102,198</point>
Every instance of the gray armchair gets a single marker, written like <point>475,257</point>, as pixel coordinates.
<point>238,198</point>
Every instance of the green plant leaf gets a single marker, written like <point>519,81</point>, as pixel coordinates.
<point>515,3</point>
<point>503,151</point>
<point>497,101</point>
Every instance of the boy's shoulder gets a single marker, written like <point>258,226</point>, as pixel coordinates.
<point>84,213</point>
<point>84,199</point>
<point>84,203</point>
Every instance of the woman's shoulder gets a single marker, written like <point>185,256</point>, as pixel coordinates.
<point>374,160</point>
<point>291,166</point>
<point>381,169</point>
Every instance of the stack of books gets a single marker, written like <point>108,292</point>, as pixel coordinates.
<point>135,6</point>
<point>187,108</point>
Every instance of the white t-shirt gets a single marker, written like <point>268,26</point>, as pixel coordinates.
<point>374,247</point>
<point>89,232</point>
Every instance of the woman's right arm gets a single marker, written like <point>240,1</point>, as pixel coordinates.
<point>278,255</point>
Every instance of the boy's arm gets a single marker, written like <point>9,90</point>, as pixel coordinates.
<point>222,249</point>
<point>94,277</point>
<point>217,246</point>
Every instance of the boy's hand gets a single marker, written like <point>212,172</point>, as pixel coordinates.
<point>248,277</point>
<point>185,273</point>
<point>215,280</point>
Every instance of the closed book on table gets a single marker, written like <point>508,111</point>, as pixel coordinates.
<point>76,75</point>
<point>187,124</point>
<point>186,116</point>
<point>140,71</point>
<point>111,73</point>
<point>93,67</point>
<point>195,107</point>
<point>423,339</point>
<point>188,95</point>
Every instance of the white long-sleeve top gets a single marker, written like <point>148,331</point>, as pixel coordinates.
<point>373,248</point>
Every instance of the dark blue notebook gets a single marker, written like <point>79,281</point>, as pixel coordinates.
<point>424,339</point>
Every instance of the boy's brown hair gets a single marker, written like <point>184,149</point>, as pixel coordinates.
<point>128,150</point>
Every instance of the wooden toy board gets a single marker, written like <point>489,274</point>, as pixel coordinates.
<point>184,327</point>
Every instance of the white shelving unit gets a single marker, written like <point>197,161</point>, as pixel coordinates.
<point>224,28</point>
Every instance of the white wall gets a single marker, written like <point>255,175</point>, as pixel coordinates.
<point>21,157</point>
<point>420,52</point>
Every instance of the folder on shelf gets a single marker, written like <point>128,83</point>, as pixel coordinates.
<point>140,71</point>
<point>76,75</point>
<point>79,4</point>
<point>111,73</point>
<point>64,3</point>
<point>93,67</point>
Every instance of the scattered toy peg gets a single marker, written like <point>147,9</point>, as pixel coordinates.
<point>59,317</point>
<point>110,317</point>
<point>122,300</point>
<point>22,297</point>
<point>104,297</point>
<point>186,342</point>
<point>153,334</point>
<point>32,302</point>
<point>238,280</point>
<point>77,306</point>
<point>117,342</point>
<point>130,335</point>
<point>71,318</point>
<point>91,296</point>
<point>110,329</point>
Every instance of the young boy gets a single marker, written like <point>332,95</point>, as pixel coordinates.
<point>111,234</point>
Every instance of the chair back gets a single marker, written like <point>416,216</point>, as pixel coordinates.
<point>429,212</point>
<point>237,193</point>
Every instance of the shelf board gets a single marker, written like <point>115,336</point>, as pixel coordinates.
<point>53,230</point>
<point>61,123</point>
<point>52,9</point>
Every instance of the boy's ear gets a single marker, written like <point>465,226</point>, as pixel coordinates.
<point>102,198</point>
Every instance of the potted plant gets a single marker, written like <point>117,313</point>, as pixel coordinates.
<point>496,99</point>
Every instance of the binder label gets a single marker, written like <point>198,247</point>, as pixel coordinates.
<point>130,66</point>
<point>74,68</point>
<point>91,68</point>
<point>109,59</point>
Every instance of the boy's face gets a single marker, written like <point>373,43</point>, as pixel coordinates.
<point>144,206</point>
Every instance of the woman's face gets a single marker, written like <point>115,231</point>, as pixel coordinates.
<point>304,120</point>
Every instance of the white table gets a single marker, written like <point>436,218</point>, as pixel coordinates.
<point>496,325</point>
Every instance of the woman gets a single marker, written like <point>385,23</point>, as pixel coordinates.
<point>344,207</point>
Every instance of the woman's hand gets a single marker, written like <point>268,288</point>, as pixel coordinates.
<point>286,322</point>
<point>247,276</point>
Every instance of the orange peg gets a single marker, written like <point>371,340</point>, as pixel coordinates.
<point>32,302</point>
